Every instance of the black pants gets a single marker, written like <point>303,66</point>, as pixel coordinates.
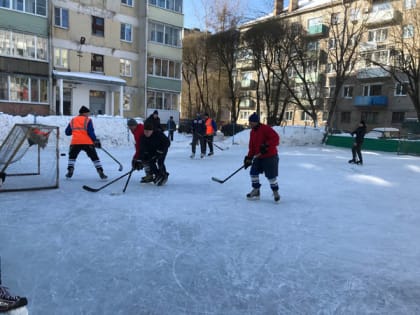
<point>209,140</point>
<point>156,166</point>
<point>357,149</point>
<point>199,138</point>
<point>90,151</point>
<point>171,135</point>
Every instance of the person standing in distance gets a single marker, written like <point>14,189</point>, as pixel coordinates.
<point>171,125</point>
<point>198,128</point>
<point>262,157</point>
<point>155,120</point>
<point>83,138</point>
<point>211,129</point>
<point>360,132</point>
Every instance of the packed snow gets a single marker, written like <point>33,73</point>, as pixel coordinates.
<point>344,239</point>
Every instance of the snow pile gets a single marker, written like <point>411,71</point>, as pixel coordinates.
<point>113,131</point>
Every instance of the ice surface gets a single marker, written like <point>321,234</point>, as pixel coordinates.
<point>343,239</point>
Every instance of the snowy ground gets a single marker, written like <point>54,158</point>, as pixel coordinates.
<point>343,239</point>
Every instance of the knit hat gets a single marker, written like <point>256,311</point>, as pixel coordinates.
<point>254,118</point>
<point>83,110</point>
<point>131,122</point>
<point>155,112</point>
<point>206,114</point>
<point>148,125</point>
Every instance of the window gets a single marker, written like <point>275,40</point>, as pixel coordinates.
<point>409,4</point>
<point>379,35</point>
<point>313,46</point>
<point>408,31</point>
<point>125,68</point>
<point>370,117</point>
<point>314,22</point>
<point>398,117</point>
<point>162,100</point>
<point>331,67</point>
<point>332,43</point>
<point>348,92</point>
<point>174,5</point>
<point>288,115</point>
<point>19,89</point>
<point>23,45</point>
<point>335,18</point>
<point>345,117</point>
<point>164,34</point>
<point>38,7</point>
<point>98,26</point>
<point>61,57</point>
<point>305,116</point>
<point>401,89</point>
<point>127,101</point>
<point>164,68</point>
<point>354,14</point>
<point>4,87</point>
<point>61,17</point>
<point>97,63</point>
<point>125,32</point>
<point>372,90</point>
<point>127,2</point>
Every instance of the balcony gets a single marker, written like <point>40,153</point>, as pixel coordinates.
<point>383,17</point>
<point>317,30</point>
<point>372,72</point>
<point>248,84</point>
<point>379,100</point>
<point>367,46</point>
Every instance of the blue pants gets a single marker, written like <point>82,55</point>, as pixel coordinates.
<point>269,166</point>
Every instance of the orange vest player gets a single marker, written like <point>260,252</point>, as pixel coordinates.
<point>83,138</point>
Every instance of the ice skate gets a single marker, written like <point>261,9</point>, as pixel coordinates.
<point>352,161</point>
<point>192,155</point>
<point>254,194</point>
<point>147,179</point>
<point>101,173</point>
<point>210,154</point>
<point>70,171</point>
<point>276,195</point>
<point>202,155</point>
<point>9,302</point>
<point>162,179</point>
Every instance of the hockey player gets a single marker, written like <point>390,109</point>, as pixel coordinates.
<point>153,149</point>
<point>2,178</point>
<point>83,139</point>
<point>198,128</point>
<point>358,141</point>
<point>211,129</point>
<point>262,157</point>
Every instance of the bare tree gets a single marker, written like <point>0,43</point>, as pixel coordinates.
<point>347,26</point>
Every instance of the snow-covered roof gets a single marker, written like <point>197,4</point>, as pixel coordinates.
<point>89,77</point>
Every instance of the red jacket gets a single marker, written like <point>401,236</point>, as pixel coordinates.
<point>263,134</point>
<point>137,133</point>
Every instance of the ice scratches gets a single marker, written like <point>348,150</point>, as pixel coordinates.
<point>369,179</point>
<point>177,281</point>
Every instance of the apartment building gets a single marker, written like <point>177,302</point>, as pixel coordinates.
<point>118,57</point>
<point>369,93</point>
<point>24,57</point>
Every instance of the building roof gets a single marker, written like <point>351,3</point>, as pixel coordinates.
<point>88,77</point>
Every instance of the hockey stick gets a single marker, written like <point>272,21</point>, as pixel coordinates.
<point>85,187</point>
<point>221,181</point>
<point>120,167</point>
<point>128,179</point>
<point>205,138</point>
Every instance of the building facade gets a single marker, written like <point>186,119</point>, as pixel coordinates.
<point>25,75</point>
<point>118,57</point>
<point>369,93</point>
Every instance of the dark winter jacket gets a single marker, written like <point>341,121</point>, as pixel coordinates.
<point>198,126</point>
<point>360,134</point>
<point>263,134</point>
<point>171,125</point>
<point>155,122</point>
<point>154,146</point>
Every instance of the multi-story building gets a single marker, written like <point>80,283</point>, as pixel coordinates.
<point>369,92</point>
<point>24,57</point>
<point>118,57</point>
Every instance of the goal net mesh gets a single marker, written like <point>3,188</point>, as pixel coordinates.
<point>29,156</point>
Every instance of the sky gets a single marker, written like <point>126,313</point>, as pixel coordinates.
<point>194,11</point>
<point>342,240</point>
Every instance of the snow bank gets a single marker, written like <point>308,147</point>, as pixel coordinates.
<point>113,131</point>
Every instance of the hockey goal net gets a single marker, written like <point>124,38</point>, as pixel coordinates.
<point>29,156</point>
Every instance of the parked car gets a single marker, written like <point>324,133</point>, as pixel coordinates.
<point>383,133</point>
<point>184,126</point>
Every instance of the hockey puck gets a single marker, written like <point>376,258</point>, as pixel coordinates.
<point>63,154</point>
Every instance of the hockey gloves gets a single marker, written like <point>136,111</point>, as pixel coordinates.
<point>98,144</point>
<point>264,148</point>
<point>137,164</point>
<point>247,162</point>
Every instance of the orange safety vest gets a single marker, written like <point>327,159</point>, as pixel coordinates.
<point>79,130</point>
<point>209,127</point>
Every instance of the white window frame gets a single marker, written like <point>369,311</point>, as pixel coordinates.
<point>61,18</point>
<point>125,68</point>
<point>128,3</point>
<point>348,91</point>
<point>379,35</point>
<point>61,57</point>
<point>408,31</point>
<point>126,33</point>
<point>409,4</point>
<point>401,89</point>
